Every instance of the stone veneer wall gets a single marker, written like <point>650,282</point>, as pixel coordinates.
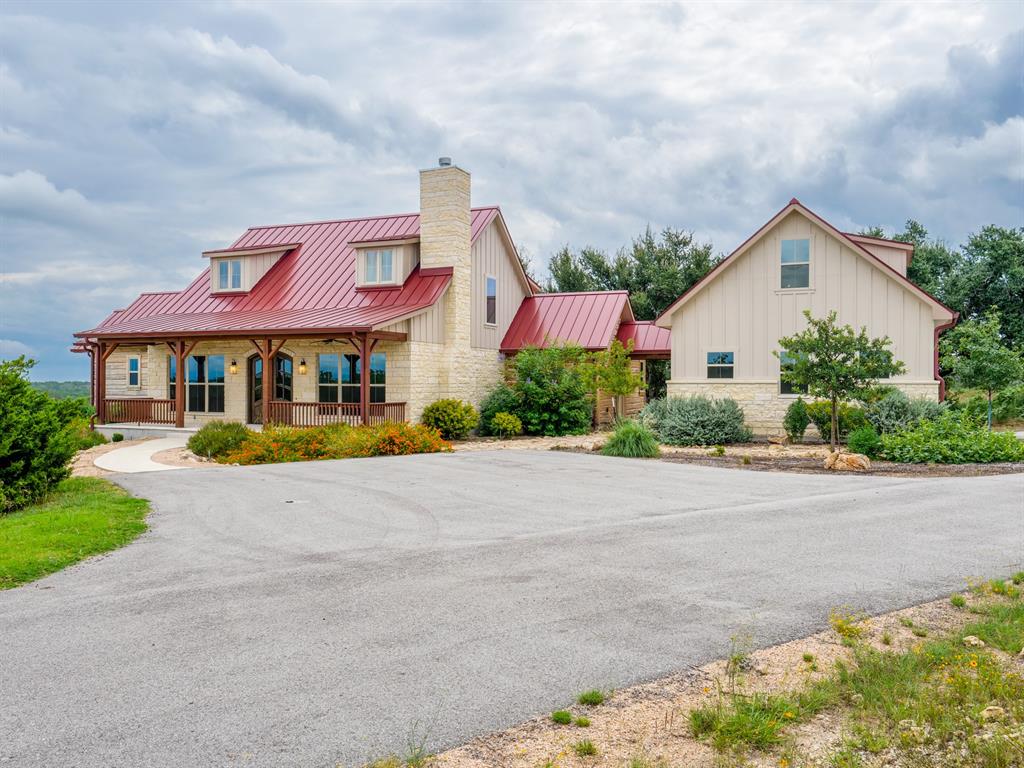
<point>763,408</point>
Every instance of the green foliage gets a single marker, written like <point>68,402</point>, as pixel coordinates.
<point>553,399</point>
<point>561,716</point>
<point>77,413</point>
<point>37,437</point>
<point>83,516</point>
<point>277,444</point>
<point>1007,405</point>
<point>503,399</point>
<point>850,417</point>
<point>958,601</point>
<point>894,411</point>
<point>452,418</point>
<point>506,425</point>
<point>60,390</point>
<point>977,357</point>
<point>584,748</point>
<point>581,722</point>
<point>796,420</point>
<point>117,437</point>
<point>611,371</point>
<point>865,440</point>
<point>632,439</point>
<point>591,698</point>
<point>695,420</point>
<point>953,438</point>
<point>655,269</point>
<point>218,438</point>
<point>835,362</point>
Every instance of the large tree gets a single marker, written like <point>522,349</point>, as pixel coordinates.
<point>835,362</point>
<point>977,357</point>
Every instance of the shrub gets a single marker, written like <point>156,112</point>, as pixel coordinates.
<point>894,411</point>
<point>36,444</point>
<point>452,418</point>
<point>953,438</point>
<point>117,437</point>
<point>850,418</point>
<point>277,444</point>
<point>561,716</point>
<point>553,399</point>
<point>865,440</point>
<point>83,435</point>
<point>1007,405</point>
<point>218,438</point>
<point>695,420</point>
<point>506,425</point>
<point>633,440</point>
<point>504,399</point>
<point>796,420</point>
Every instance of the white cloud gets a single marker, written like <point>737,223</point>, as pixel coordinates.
<point>10,348</point>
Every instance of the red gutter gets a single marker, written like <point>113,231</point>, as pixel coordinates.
<point>938,376</point>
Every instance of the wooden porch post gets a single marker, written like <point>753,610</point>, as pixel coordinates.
<point>179,383</point>
<point>101,383</point>
<point>268,379</point>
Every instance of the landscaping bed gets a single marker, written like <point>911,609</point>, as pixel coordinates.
<point>934,684</point>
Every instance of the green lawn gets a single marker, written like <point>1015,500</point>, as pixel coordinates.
<point>85,516</point>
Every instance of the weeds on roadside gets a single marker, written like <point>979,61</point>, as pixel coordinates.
<point>584,748</point>
<point>582,722</point>
<point>561,716</point>
<point>847,623</point>
<point>958,601</point>
<point>591,698</point>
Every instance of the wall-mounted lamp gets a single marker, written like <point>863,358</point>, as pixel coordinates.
<point>302,367</point>
<point>233,367</point>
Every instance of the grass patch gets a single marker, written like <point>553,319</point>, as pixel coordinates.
<point>84,516</point>
<point>561,716</point>
<point>1003,627</point>
<point>958,601</point>
<point>591,698</point>
<point>584,748</point>
<point>582,722</point>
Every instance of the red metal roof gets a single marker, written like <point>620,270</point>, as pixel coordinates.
<point>648,339</point>
<point>588,319</point>
<point>311,288</point>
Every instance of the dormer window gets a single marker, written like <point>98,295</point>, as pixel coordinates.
<point>379,267</point>
<point>229,275</point>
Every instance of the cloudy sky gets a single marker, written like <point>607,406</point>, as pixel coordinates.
<point>135,135</point>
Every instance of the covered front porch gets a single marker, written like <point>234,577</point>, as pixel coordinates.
<point>295,380</point>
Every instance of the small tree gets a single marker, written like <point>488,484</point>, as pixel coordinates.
<point>835,362</point>
<point>611,371</point>
<point>975,354</point>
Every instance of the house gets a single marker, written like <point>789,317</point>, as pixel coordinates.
<point>725,328</point>
<point>354,320</point>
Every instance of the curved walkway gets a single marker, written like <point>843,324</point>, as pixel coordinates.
<point>139,457</point>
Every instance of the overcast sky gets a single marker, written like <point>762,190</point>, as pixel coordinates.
<point>135,135</point>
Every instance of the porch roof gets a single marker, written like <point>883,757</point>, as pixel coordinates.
<point>648,339</point>
<point>589,319</point>
<point>312,287</point>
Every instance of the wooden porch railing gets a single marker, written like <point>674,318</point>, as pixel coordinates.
<point>138,410</point>
<point>320,414</point>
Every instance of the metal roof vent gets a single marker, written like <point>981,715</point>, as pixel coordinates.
<point>444,162</point>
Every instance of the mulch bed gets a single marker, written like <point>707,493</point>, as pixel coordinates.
<point>813,465</point>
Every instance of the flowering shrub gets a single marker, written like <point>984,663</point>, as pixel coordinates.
<point>218,438</point>
<point>277,444</point>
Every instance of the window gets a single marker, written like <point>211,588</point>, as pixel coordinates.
<point>172,365</point>
<point>492,300</point>
<point>720,365</point>
<point>379,267</point>
<point>339,377</point>
<point>133,371</point>
<point>796,264</point>
<point>786,387</point>
<point>229,274</point>
<point>283,378</point>
<point>205,375</point>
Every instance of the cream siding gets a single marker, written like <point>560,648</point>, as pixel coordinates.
<point>893,257</point>
<point>743,310</point>
<point>405,257</point>
<point>492,256</point>
<point>253,270</point>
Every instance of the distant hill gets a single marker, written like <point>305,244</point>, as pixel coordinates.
<point>63,389</point>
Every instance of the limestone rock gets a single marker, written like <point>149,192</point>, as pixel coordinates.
<point>992,713</point>
<point>847,462</point>
<point>974,642</point>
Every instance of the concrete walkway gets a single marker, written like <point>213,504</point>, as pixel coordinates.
<point>139,457</point>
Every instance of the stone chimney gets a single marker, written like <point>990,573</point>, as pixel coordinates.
<point>445,224</point>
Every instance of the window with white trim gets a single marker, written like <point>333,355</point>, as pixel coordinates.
<point>492,301</point>
<point>378,267</point>
<point>795,264</point>
<point>134,371</point>
<point>720,365</point>
<point>229,275</point>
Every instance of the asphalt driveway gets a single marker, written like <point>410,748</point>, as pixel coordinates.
<point>318,614</point>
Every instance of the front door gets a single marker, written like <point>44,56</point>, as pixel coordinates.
<point>255,389</point>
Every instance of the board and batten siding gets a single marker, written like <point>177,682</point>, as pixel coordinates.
<point>253,270</point>
<point>492,256</point>
<point>743,310</point>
